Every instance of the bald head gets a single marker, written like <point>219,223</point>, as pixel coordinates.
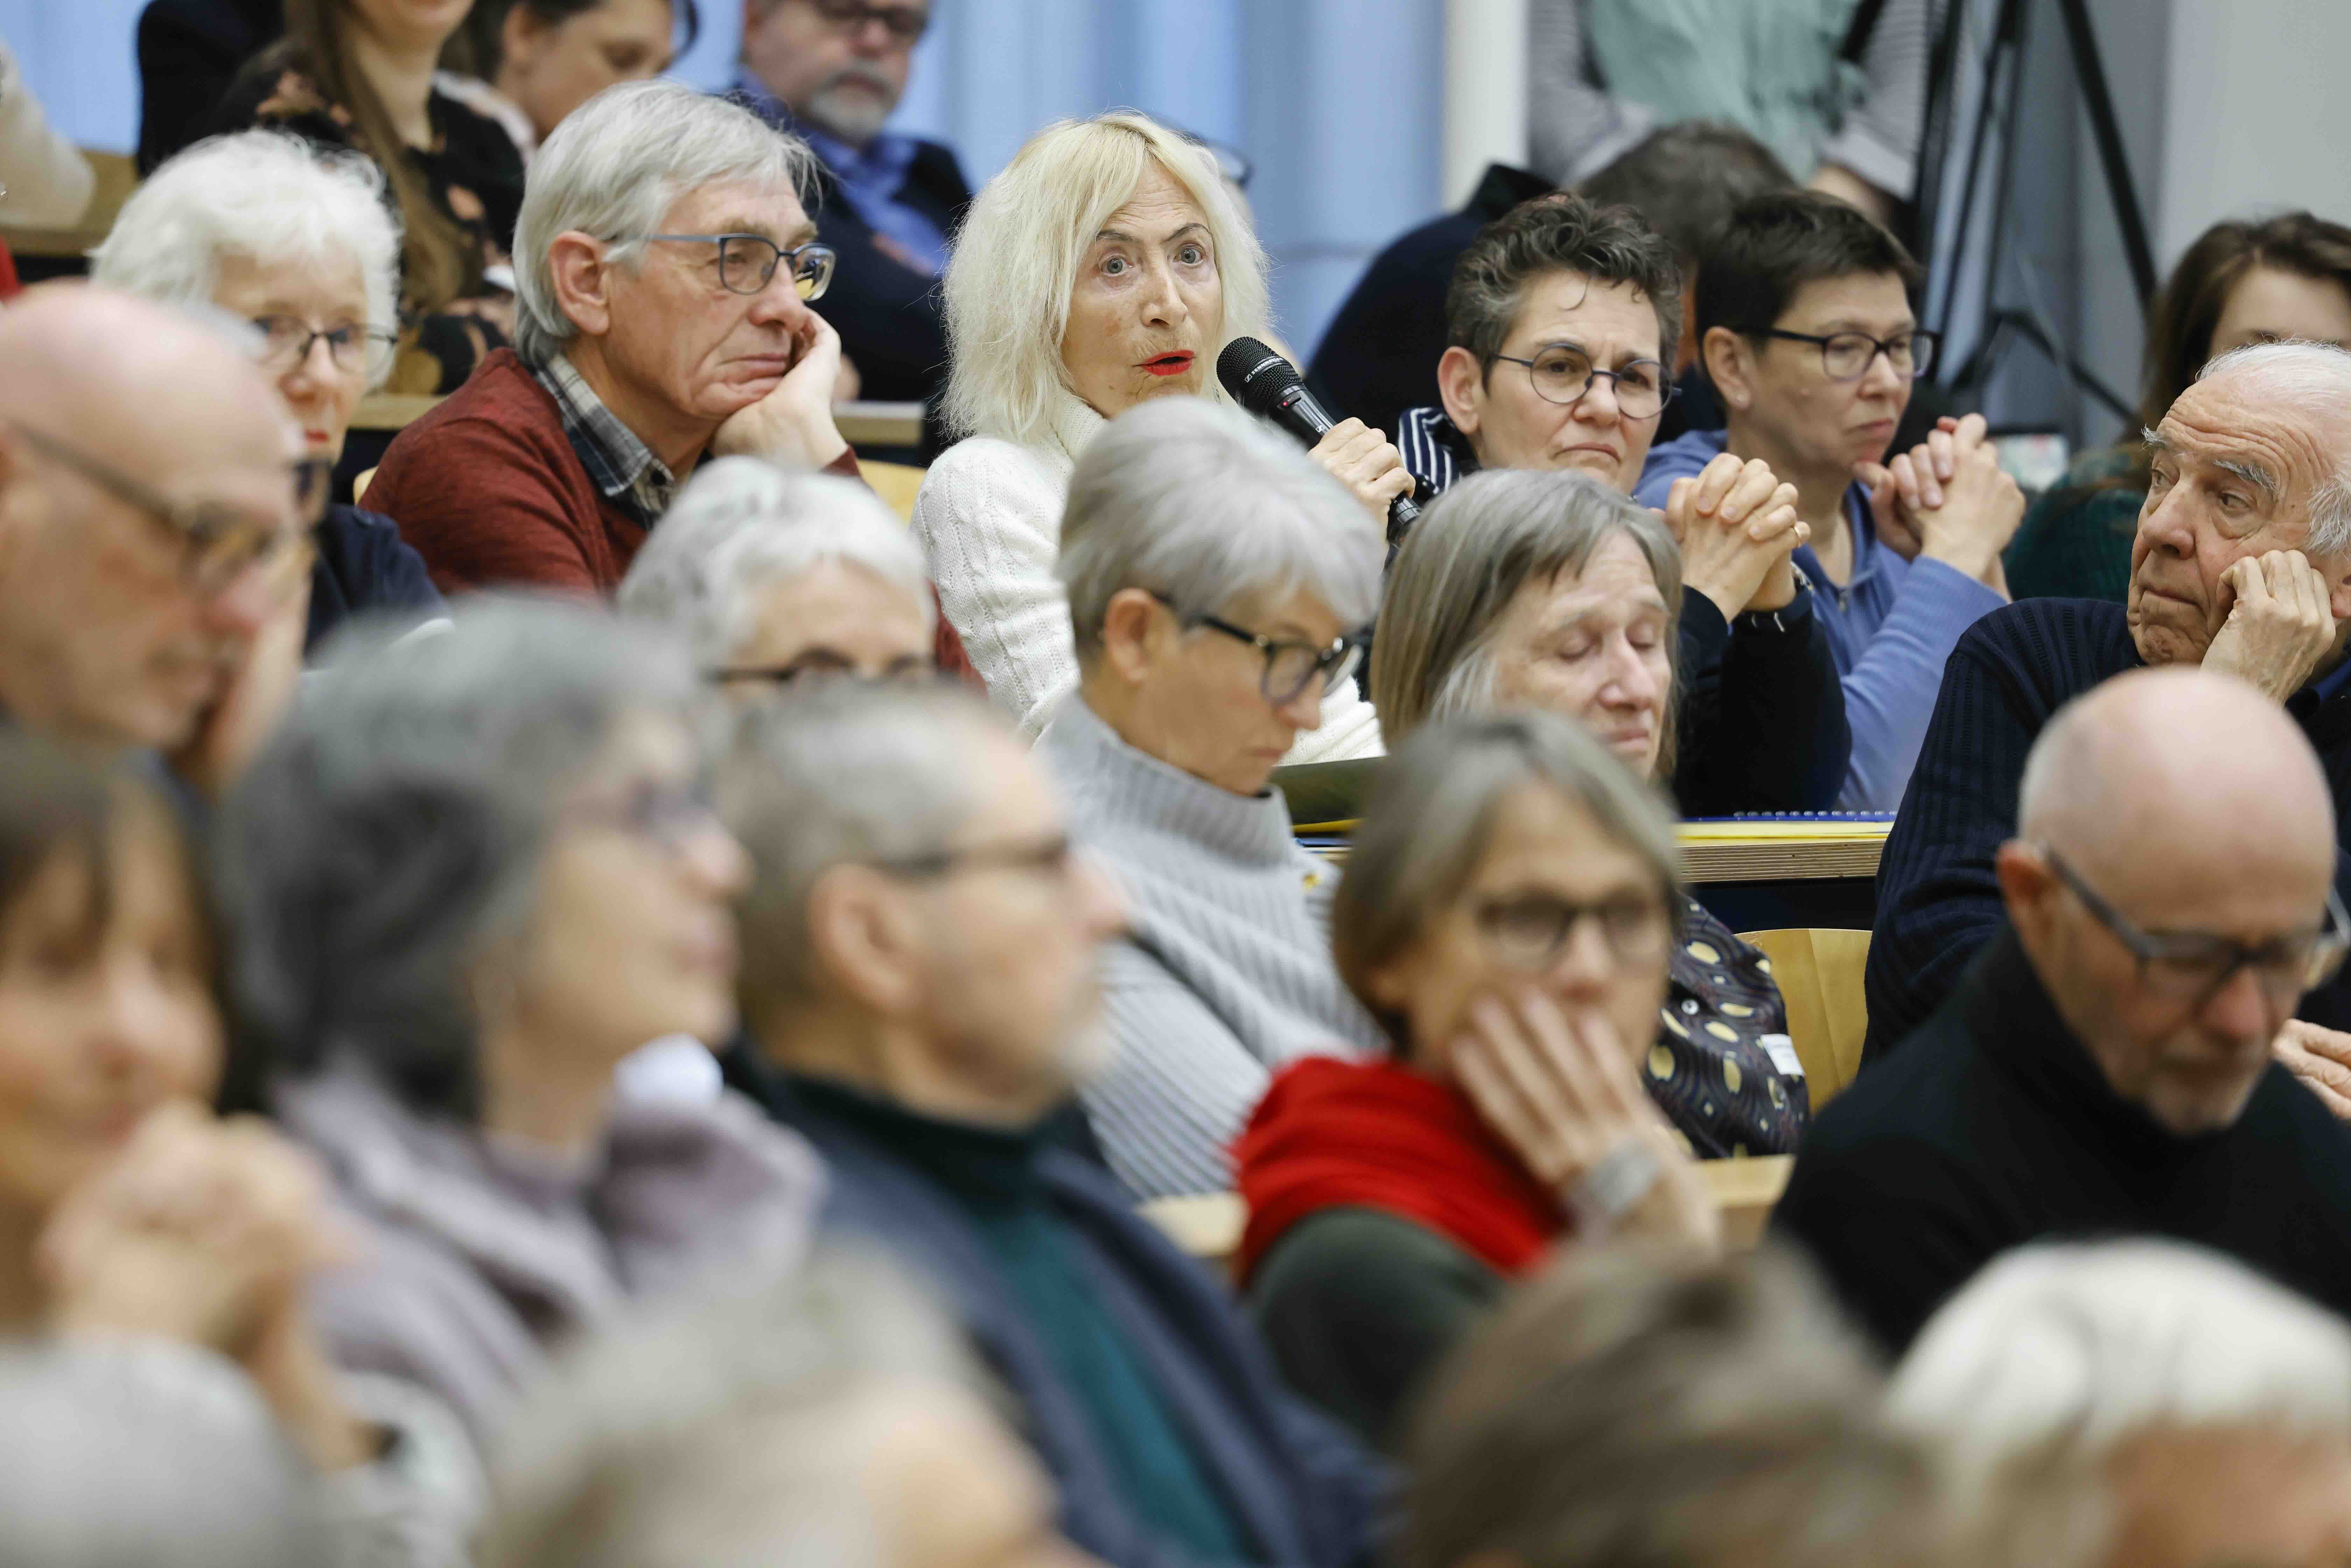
<point>107,367</point>
<point>117,417</point>
<point>2155,763</point>
<point>2174,862</point>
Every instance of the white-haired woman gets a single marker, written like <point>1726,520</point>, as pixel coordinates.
<point>1107,264</point>
<point>298,243</point>
<point>771,577</point>
<point>1220,584</point>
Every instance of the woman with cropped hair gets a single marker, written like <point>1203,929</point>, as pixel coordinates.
<point>1219,583</point>
<point>264,228</point>
<point>1551,590</point>
<point>1105,266</point>
<point>473,873</point>
<point>771,577</point>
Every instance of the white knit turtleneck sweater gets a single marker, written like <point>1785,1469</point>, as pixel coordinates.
<point>989,517</point>
<point>1227,975</point>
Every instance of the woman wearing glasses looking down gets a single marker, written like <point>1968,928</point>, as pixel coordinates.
<point>1507,913</point>
<point>1218,584</point>
<point>1104,267</point>
<point>261,227</point>
<point>1807,331</point>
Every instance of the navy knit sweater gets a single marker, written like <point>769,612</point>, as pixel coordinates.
<point>1937,901</point>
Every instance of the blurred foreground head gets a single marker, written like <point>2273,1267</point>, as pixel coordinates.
<point>145,1456</point>
<point>2140,1403</point>
<point>833,1422</point>
<point>1630,1408</point>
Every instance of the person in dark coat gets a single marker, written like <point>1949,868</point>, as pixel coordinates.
<point>2243,564</point>
<point>919,991</point>
<point>189,53</point>
<point>888,204</point>
<point>2104,1065</point>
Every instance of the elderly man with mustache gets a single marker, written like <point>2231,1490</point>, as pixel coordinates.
<point>2242,565</point>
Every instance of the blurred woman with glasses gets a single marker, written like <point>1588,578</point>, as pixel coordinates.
<point>259,228</point>
<point>1807,328</point>
<point>1508,915</point>
<point>1219,582</point>
<point>471,875</point>
<point>772,577</point>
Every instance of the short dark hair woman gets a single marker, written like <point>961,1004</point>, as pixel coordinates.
<point>2240,282</point>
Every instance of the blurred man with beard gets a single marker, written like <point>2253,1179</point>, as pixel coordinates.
<point>832,71</point>
<point>155,543</point>
<point>919,989</point>
<point>2102,1068</point>
<point>2242,565</point>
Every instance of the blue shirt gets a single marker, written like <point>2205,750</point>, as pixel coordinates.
<point>1892,627</point>
<point>871,179</point>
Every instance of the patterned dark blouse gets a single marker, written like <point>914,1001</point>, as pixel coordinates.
<point>1709,1069</point>
<point>472,173</point>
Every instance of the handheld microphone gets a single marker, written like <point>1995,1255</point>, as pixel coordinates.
<point>1270,386</point>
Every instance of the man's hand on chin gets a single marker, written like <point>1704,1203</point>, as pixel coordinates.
<point>792,425</point>
<point>2281,626</point>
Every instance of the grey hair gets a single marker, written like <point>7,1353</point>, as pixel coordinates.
<point>147,1454</point>
<point>843,772</point>
<point>2056,1354</point>
<point>614,169</point>
<point>270,198</point>
<point>1466,562</point>
<point>1637,1407</point>
<point>1016,257</point>
<point>1203,505</point>
<point>1431,815</point>
<point>2317,379</point>
<point>384,850</point>
<point>741,525</point>
<point>719,1426</point>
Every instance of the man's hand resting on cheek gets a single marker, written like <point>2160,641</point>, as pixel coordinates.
<point>792,425</point>
<point>2281,626</point>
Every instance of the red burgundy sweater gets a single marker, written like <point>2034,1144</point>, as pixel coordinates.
<point>489,490</point>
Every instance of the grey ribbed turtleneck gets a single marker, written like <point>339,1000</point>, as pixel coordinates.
<point>1227,974</point>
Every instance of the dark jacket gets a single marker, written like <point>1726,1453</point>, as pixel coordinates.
<point>189,52</point>
<point>1378,357</point>
<point>1992,1127</point>
<point>1937,901</point>
<point>892,319</point>
<point>364,566</point>
<point>1296,1486</point>
<point>1764,725</point>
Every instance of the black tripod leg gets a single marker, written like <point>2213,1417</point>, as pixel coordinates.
<point>2092,72</point>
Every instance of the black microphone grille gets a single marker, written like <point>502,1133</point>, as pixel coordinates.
<point>1254,373</point>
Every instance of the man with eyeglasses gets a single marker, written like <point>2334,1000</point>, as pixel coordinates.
<point>665,274</point>
<point>920,995</point>
<point>156,518</point>
<point>1806,330</point>
<point>2103,1067</point>
<point>832,71</point>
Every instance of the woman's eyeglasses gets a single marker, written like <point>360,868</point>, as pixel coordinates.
<point>1290,664</point>
<point>1846,356</point>
<point>1531,930</point>
<point>355,350</point>
<point>1563,375</point>
<point>748,262</point>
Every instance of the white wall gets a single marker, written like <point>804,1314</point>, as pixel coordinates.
<point>2258,116</point>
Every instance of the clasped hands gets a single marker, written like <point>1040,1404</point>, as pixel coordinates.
<point>1739,531</point>
<point>1947,499</point>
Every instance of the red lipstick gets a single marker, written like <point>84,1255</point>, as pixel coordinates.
<point>1174,364</point>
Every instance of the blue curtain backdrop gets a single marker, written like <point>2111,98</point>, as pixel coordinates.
<point>1337,102</point>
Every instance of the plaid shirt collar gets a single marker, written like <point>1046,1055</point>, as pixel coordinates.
<point>622,466</point>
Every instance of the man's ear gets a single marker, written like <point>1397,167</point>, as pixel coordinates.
<point>2027,886</point>
<point>583,279</point>
<point>861,940</point>
<point>1461,385</point>
<point>1729,365</point>
<point>1132,624</point>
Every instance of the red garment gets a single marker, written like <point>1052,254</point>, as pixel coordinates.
<point>8,285</point>
<point>1373,1135</point>
<point>487,489</point>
